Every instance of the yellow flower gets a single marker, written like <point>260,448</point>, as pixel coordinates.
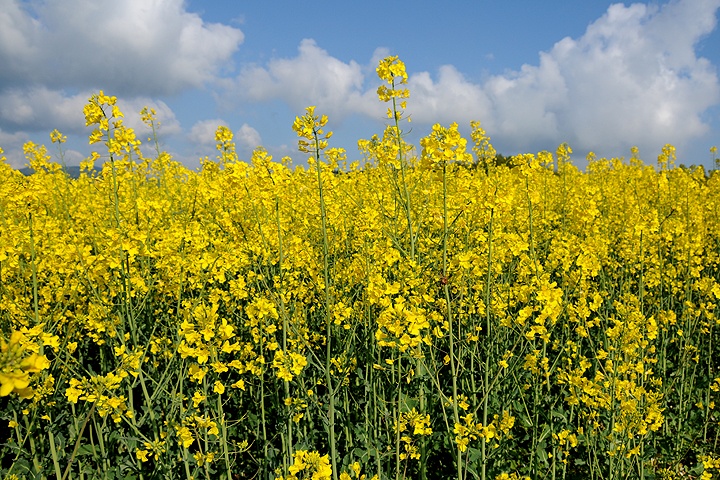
<point>73,392</point>
<point>17,381</point>
<point>57,137</point>
<point>389,69</point>
<point>444,145</point>
<point>288,365</point>
<point>141,455</point>
<point>14,369</point>
<point>35,363</point>
<point>198,398</point>
<point>309,128</point>
<point>185,437</point>
<point>317,466</point>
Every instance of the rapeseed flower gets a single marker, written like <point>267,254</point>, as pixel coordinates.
<point>575,309</point>
<point>16,367</point>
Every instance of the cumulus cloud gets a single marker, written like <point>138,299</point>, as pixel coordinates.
<point>26,113</point>
<point>203,132</point>
<point>165,120</point>
<point>247,138</point>
<point>11,144</point>
<point>41,108</point>
<point>313,77</point>
<point>633,78</point>
<point>56,53</point>
<point>451,98</point>
<point>128,47</point>
<point>202,137</point>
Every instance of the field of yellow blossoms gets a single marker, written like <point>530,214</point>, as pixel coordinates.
<point>427,312</point>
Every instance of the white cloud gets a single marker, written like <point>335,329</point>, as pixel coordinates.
<point>633,78</point>
<point>128,47</point>
<point>449,99</point>
<point>33,113</point>
<point>17,39</point>
<point>203,132</point>
<point>202,139</point>
<point>56,53</point>
<point>40,108</point>
<point>166,123</point>
<point>11,144</point>
<point>528,104</point>
<point>313,77</point>
<point>247,139</point>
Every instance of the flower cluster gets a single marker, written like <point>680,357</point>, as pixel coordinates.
<point>239,319</point>
<point>17,364</point>
<point>308,465</point>
<point>411,426</point>
<point>468,430</point>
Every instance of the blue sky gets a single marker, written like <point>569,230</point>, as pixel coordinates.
<point>599,75</point>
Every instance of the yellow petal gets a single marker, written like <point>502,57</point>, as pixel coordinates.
<point>5,389</point>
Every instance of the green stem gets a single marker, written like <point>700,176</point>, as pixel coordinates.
<point>36,309</point>
<point>77,442</point>
<point>403,168</point>
<point>486,393</point>
<point>328,312</point>
<point>449,314</point>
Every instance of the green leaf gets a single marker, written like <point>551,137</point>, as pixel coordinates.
<point>85,450</point>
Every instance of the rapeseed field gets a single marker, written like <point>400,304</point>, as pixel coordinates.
<point>427,312</point>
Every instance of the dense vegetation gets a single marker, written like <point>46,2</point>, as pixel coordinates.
<point>428,313</point>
